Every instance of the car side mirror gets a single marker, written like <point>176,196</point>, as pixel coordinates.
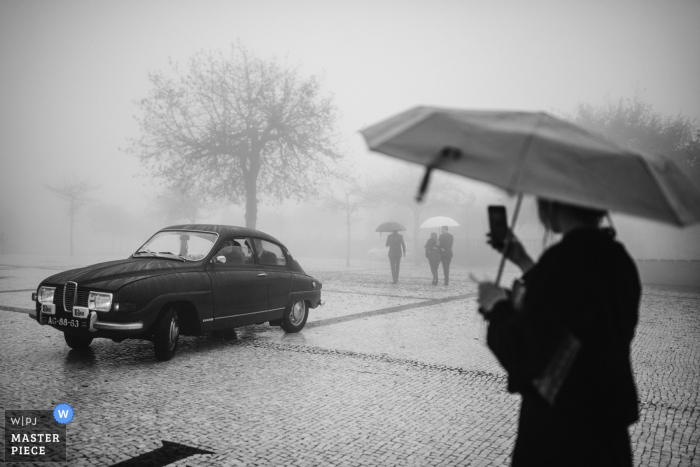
<point>219,259</point>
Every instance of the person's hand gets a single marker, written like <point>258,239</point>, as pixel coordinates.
<point>516,251</point>
<point>489,295</point>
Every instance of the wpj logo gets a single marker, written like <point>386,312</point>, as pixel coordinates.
<point>36,435</point>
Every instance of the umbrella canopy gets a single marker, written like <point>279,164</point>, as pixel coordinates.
<point>439,221</point>
<point>526,152</point>
<point>390,227</point>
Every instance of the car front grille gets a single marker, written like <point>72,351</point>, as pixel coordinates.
<point>69,296</point>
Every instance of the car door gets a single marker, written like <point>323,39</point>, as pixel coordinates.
<point>273,260</point>
<point>239,284</point>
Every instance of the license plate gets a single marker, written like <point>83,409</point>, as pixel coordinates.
<point>80,312</point>
<point>48,309</point>
<point>64,322</point>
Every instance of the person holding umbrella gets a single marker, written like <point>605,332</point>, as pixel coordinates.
<point>444,243</point>
<point>432,252</point>
<point>396,247</point>
<point>446,240</point>
<point>564,338</point>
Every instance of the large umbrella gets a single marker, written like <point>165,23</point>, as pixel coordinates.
<point>390,226</point>
<point>526,152</point>
<point>438,221</point>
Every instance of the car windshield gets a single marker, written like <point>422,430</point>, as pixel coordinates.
<point>178,244</point>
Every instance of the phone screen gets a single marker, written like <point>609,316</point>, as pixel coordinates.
<point>498,223</point>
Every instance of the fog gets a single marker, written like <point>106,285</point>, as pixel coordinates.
<point>72,70</point>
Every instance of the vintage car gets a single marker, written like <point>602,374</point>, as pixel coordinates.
<point>186,279</point>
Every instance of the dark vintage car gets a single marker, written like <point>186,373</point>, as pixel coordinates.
<point>186,279</point>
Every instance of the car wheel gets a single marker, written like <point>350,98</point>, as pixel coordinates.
<point>77,342</point>
<point>166,335</point>
<point>295,316</point>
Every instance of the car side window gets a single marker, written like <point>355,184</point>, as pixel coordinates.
<point>269,253</point>
<point>237,251</point>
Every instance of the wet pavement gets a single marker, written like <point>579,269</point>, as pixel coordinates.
<point>384,374</point>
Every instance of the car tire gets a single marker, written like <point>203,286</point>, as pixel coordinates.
<point>77,342</point>
<point>166,335</point>
<point>294,317</point>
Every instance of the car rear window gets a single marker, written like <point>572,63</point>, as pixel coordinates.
<point>270,253</point>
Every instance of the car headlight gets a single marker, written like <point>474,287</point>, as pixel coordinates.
<point>100,301</point>
<point>46,294</point>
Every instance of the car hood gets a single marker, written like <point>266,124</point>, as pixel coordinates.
<point>114,275</point>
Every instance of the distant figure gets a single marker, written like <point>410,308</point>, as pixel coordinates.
<point>395,243</point>
<point>564,336</point>
<point>432,252</point>
<point>446,240</point>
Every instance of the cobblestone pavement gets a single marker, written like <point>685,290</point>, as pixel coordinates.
<point>383,374</point>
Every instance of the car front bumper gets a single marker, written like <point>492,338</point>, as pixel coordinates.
<point>94,325</point>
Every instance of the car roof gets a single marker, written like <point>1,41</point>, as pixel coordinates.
<point>225,231</point>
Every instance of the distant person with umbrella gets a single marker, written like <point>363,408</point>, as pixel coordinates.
<point>432,252</point>
<point>396,247</point>
<point>445,241</point>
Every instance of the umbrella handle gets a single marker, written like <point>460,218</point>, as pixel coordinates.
<point>446,152</point>
<point>424,184</point>
<point>509,237</point>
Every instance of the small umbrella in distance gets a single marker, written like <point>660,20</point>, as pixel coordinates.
<point>439,221</point>
<point>390,227</point>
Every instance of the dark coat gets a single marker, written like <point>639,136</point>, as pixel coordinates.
<point>395,243</point>
<point>587,286</point>
<point>432,252</point>
<point>446,240</point>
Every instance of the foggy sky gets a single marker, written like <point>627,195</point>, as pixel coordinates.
<point>70,71</point>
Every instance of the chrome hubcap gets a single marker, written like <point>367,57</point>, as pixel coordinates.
<point>174,333</point>
<point>298,312</point>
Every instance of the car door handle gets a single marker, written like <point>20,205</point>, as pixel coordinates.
<point>262,274</point>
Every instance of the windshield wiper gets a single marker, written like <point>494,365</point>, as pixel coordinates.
<point>146,251</point>
<point>173,254</point>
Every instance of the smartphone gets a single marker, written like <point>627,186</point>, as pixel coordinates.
<point>498,224</point>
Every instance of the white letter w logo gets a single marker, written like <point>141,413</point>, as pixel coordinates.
<point>63,413</point>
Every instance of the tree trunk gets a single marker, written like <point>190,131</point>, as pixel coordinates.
<point>251,205</point>
<point>251,190</point>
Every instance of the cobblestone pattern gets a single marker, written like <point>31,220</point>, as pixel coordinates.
<point>415,386</point>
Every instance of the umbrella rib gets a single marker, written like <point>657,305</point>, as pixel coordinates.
<point>524,151</point>
<point>423,114</point>
<point>667,199</point>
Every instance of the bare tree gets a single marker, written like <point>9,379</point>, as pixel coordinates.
<point>76,193</point>
<point>233,127</point>
<point>635,124</point>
